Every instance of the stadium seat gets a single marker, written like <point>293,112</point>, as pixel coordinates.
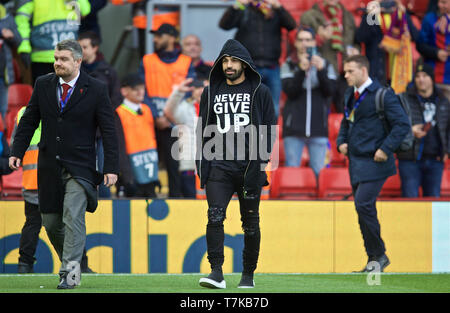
<point>418,7</point>
<point>336,159</point>
<point>334,123</point>
<point>17,72</point>
<point>445,185</point>
<point>18,96</point>
<point>334,184</point>
<point>12,185</point>
<point>294,183</point>
<point>305,157</point>
<point>352,5</point>
<point>279,146</point>
<point>391,188</point>
<point>296,5</point>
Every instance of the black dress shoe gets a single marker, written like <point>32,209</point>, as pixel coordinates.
<point>24,268</point>
<point>376,264</point>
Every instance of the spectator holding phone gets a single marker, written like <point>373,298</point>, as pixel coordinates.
<point>183,111</point>
<point>259,24</point>
<point>309,82</point>
<point>335,34</point>
<point>423,165</point>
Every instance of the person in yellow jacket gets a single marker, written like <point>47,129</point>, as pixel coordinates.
<point>138,155</point>
<point>44,23</point>
<point>33,220</point>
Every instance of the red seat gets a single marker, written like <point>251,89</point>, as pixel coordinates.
<point>305,157</point>
<point>352,5</point>
<point>334,124</point>
<point>334,183</point>
<point>17,73</point>
<point>294,183</point>
<point>336,159</point>
<point>12,185</point>
<point>295,5</point>
<point>445,185</point>
<point>18,96</point>
<point>391,188</point>
<point>278,147</point>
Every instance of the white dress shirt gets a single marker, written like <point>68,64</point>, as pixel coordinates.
<point>366,84</point>
<point>71,84</point>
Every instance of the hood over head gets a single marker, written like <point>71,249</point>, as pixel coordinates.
<point>235,49</point>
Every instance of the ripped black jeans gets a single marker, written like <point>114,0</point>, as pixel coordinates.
<point>220,188</point>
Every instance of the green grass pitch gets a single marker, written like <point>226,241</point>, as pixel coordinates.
<point>264,283</point>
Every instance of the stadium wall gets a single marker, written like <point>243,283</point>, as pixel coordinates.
<point>168,236</point>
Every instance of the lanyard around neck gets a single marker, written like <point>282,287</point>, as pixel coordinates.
<point>351,116</point>
<point>69,93</point>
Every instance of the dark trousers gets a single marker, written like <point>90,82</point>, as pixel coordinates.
<point>219,190</point>
<point>103,191</point>
<point>144,191</point>
<point>165,142</point>
<point>365,195</point>
<point>30,233</point>
<point>188,184</point>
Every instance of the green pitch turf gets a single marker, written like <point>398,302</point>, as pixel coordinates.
<point>264,283</point>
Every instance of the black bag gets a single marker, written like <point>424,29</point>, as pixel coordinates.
<point>408,141</point>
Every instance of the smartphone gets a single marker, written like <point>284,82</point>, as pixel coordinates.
<point>311,51</point>
<point>427,127</point>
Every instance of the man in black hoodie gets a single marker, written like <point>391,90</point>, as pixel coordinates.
<point>235,135</point>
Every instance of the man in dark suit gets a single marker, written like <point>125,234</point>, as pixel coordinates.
<point>370,150</point>
<point>71,105</point>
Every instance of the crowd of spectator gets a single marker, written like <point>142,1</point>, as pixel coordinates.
<point>306,86</point>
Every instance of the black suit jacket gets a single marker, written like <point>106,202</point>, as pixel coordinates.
<point>68,137</point>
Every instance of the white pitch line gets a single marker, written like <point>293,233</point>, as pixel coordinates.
<point>197,274</point>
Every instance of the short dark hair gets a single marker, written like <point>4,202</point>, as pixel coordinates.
<point>95,39</point>
<point>359,59</point>
<point>305,28</point>
<point>73,46</point>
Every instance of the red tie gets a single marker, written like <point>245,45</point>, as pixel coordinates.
<point>356,95</point>
<point>65,88</point>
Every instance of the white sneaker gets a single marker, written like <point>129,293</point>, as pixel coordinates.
<point>214,280</point>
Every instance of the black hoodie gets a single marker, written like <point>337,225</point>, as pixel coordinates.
<point>261,113</point>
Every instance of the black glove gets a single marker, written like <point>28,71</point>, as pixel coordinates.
<point>26,59</point>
